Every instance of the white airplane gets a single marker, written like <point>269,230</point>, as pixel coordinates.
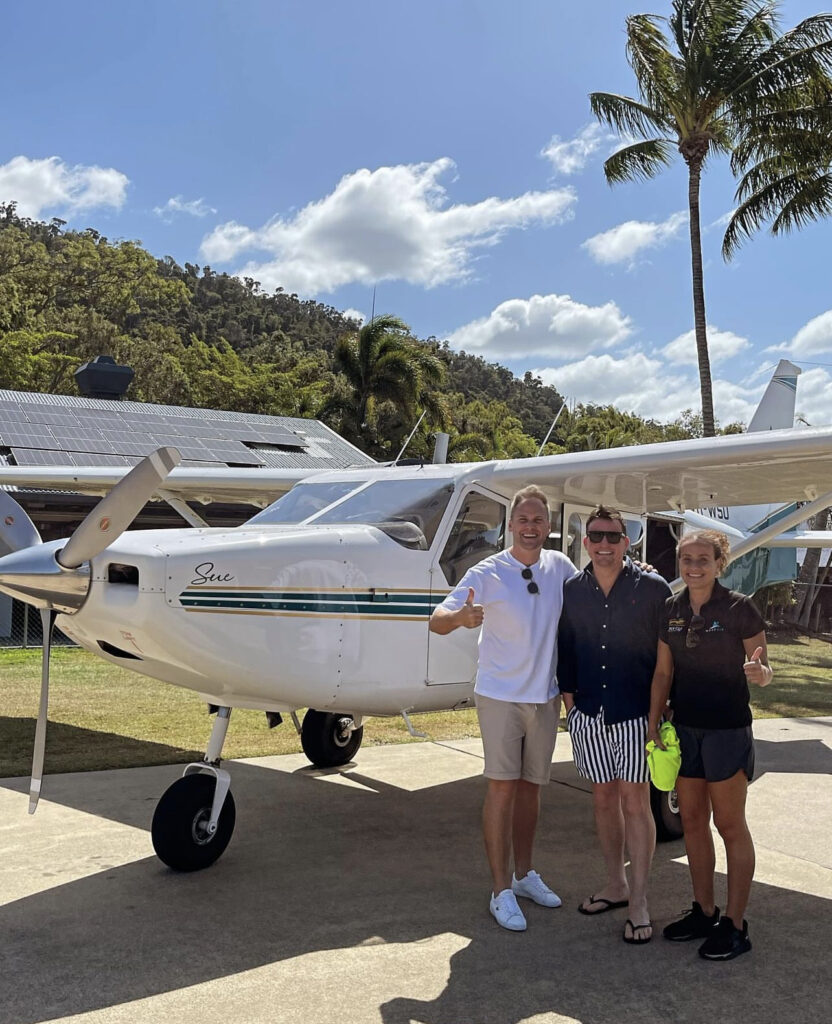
<point>322,600</point>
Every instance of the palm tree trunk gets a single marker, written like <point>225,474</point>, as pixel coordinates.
<point>708,425</point>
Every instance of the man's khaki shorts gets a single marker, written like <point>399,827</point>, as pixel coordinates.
<point>518,739</point>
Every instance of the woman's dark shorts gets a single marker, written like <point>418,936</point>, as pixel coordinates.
<point>716,754</point>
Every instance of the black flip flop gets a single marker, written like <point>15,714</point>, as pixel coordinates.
<point>607,905</point>
<point>633,941</point>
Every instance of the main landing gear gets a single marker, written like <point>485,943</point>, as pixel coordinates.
<point>665,808</point>
<point>329,740</point>
<point>194,820</point>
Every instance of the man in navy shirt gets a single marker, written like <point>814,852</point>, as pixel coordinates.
<point>607,642</point>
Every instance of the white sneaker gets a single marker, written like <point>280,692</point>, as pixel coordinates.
<point>506,912</point>
<point>534,888</point>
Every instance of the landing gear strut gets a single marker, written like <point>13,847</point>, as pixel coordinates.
<point>329,740</point>
<point>194,820</point>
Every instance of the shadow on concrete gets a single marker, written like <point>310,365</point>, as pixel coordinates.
<point>86,750</point>
<point>316,865</point>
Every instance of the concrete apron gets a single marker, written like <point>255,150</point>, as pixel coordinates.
<point>361,895</point>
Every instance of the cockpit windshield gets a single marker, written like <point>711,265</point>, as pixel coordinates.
<point>408,511</point>
<point>303,501</point>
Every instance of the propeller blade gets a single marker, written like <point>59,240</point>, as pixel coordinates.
<point>113,514</point>
<point>17,530</point>
<point>47,618</point>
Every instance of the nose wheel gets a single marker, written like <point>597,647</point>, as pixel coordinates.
<point>194,820</point>
<point>180,829</point>
<point>329,740</point>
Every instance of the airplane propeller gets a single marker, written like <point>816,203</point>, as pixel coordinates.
<point>104,524</point>
<point>113,514</point>
<point>16,529</point>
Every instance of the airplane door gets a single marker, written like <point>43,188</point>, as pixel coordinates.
<point>478,530</point>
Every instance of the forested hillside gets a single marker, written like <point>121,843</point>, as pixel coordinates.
<point>198,338</point>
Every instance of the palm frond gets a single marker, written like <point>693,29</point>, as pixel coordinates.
<point>657,70</point>
<point>786,200</point>
<point>626,115</point>
<point>640,161</point>
<point>809,203</point>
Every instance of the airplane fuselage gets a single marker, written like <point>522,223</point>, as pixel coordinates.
<point>331,617</point>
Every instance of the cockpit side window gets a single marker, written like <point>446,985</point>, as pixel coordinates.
<point>478,531</point>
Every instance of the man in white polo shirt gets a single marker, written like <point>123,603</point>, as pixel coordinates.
<point>516,597</point>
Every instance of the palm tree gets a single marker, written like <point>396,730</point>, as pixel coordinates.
<point>378,364</point>
<point>700,90</point>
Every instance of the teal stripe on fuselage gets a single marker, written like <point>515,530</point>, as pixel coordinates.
<point>361,603</point>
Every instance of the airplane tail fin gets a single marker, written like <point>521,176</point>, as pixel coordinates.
<point>776,408</point>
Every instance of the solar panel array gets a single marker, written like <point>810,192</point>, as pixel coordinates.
<point>55,435</point>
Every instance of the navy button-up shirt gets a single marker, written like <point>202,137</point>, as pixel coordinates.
<point>607,643</point>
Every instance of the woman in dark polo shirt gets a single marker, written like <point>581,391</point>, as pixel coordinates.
<point>712,645</point>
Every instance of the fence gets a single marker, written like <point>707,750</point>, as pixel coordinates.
<point>20,626</point>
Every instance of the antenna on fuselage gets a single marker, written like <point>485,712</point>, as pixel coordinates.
<point>410,437</point>
<point>548,433</point>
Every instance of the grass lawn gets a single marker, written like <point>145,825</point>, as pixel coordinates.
<point>106,717</point>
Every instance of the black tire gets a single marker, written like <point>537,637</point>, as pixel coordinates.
<point>177,839</point>
<point>324,740</point>
<point>665,810</point>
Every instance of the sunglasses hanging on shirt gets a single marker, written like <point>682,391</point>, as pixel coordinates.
<point>532,587</point>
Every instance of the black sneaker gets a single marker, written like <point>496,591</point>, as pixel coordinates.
<point>694,925</point>
<point>726,941</point>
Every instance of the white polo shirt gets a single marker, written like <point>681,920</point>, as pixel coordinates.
<point>517,644</point>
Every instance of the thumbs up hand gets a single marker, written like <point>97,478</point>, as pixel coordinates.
<point>756,671</point>
<point>470,615</point>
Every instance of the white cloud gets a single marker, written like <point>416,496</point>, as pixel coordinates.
<point>353,314</point>
<point>723,221</point>
<point>51,184</point>
<point>551,325</point>
<point>624,242</point>
<point>813,338</point>
<point>176,204</point>
<point>722,345</point>
<point>386,224</point>
<point>645,385</point>
<point>571,155</point>
<point>813,389</point>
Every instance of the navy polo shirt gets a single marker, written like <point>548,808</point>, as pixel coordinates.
<point>607,643</point>
<point>709,689</point>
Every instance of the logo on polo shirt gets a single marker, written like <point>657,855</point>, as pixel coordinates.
<point>715,627</point>
<point>675,625</point>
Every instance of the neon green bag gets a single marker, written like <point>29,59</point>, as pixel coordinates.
<point>664,765</point>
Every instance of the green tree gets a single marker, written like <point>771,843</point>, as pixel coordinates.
<point>724,64</point>
<point>380,365</point>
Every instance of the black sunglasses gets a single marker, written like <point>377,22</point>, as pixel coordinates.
<point>694,633</point>
<point>532,587</point>
<point>610,536</point>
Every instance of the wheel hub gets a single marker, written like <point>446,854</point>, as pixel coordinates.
<point>199,827</point>
<point>342,732</point>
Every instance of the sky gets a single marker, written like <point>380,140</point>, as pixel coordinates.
<point>443,153</point>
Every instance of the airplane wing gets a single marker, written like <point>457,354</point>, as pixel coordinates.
<point>776,466</point>
<point>245,485</point>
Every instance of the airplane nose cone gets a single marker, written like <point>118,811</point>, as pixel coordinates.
<point>32,575</point>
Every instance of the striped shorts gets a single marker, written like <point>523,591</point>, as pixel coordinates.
<point>604,752</point>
